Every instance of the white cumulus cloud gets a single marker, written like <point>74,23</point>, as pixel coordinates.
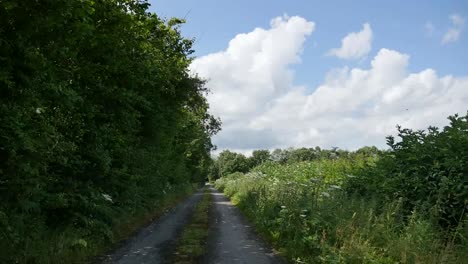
<point>254,67</point>
<point>355,45</point>
<point>357,107</point>
<point>454,32</point>
<point>253,93</point>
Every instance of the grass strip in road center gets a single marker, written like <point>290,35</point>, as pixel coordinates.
<point>191,246</point>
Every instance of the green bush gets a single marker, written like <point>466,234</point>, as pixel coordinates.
<point>427,170</point>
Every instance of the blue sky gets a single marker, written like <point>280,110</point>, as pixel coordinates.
<point>411,68</point>
<point>398,25</point>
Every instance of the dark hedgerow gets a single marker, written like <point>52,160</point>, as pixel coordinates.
<point>99,121</point>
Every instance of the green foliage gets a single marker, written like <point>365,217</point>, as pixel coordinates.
<point>295,155</point>
<point>100,118</point>
<point>259,157</point>
<point>229,162</point>
<point>427,170</point>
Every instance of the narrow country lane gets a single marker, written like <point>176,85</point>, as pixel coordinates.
<point>154,244</point>
<point>232,239</point>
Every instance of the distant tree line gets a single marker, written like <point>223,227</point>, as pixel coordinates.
<point>228,162</point>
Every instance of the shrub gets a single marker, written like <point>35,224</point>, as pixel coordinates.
<point>427,170</point>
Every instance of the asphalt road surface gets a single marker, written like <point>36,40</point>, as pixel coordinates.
<point>154,243</point>
<point>231,238</point>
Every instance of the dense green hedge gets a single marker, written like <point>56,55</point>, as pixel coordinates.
<point>99,117</point>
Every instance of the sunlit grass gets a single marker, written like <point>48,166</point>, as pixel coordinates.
<point>305,213</point>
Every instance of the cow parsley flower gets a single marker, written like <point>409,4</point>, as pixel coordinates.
<point>107,197</point>
<point>314,180</point>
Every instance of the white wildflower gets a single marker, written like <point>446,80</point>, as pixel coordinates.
<point>39,110</point>
<point>314,180</point>
<point>107,197</point>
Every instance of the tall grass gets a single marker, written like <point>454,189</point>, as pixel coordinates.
<point>302,209</point>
